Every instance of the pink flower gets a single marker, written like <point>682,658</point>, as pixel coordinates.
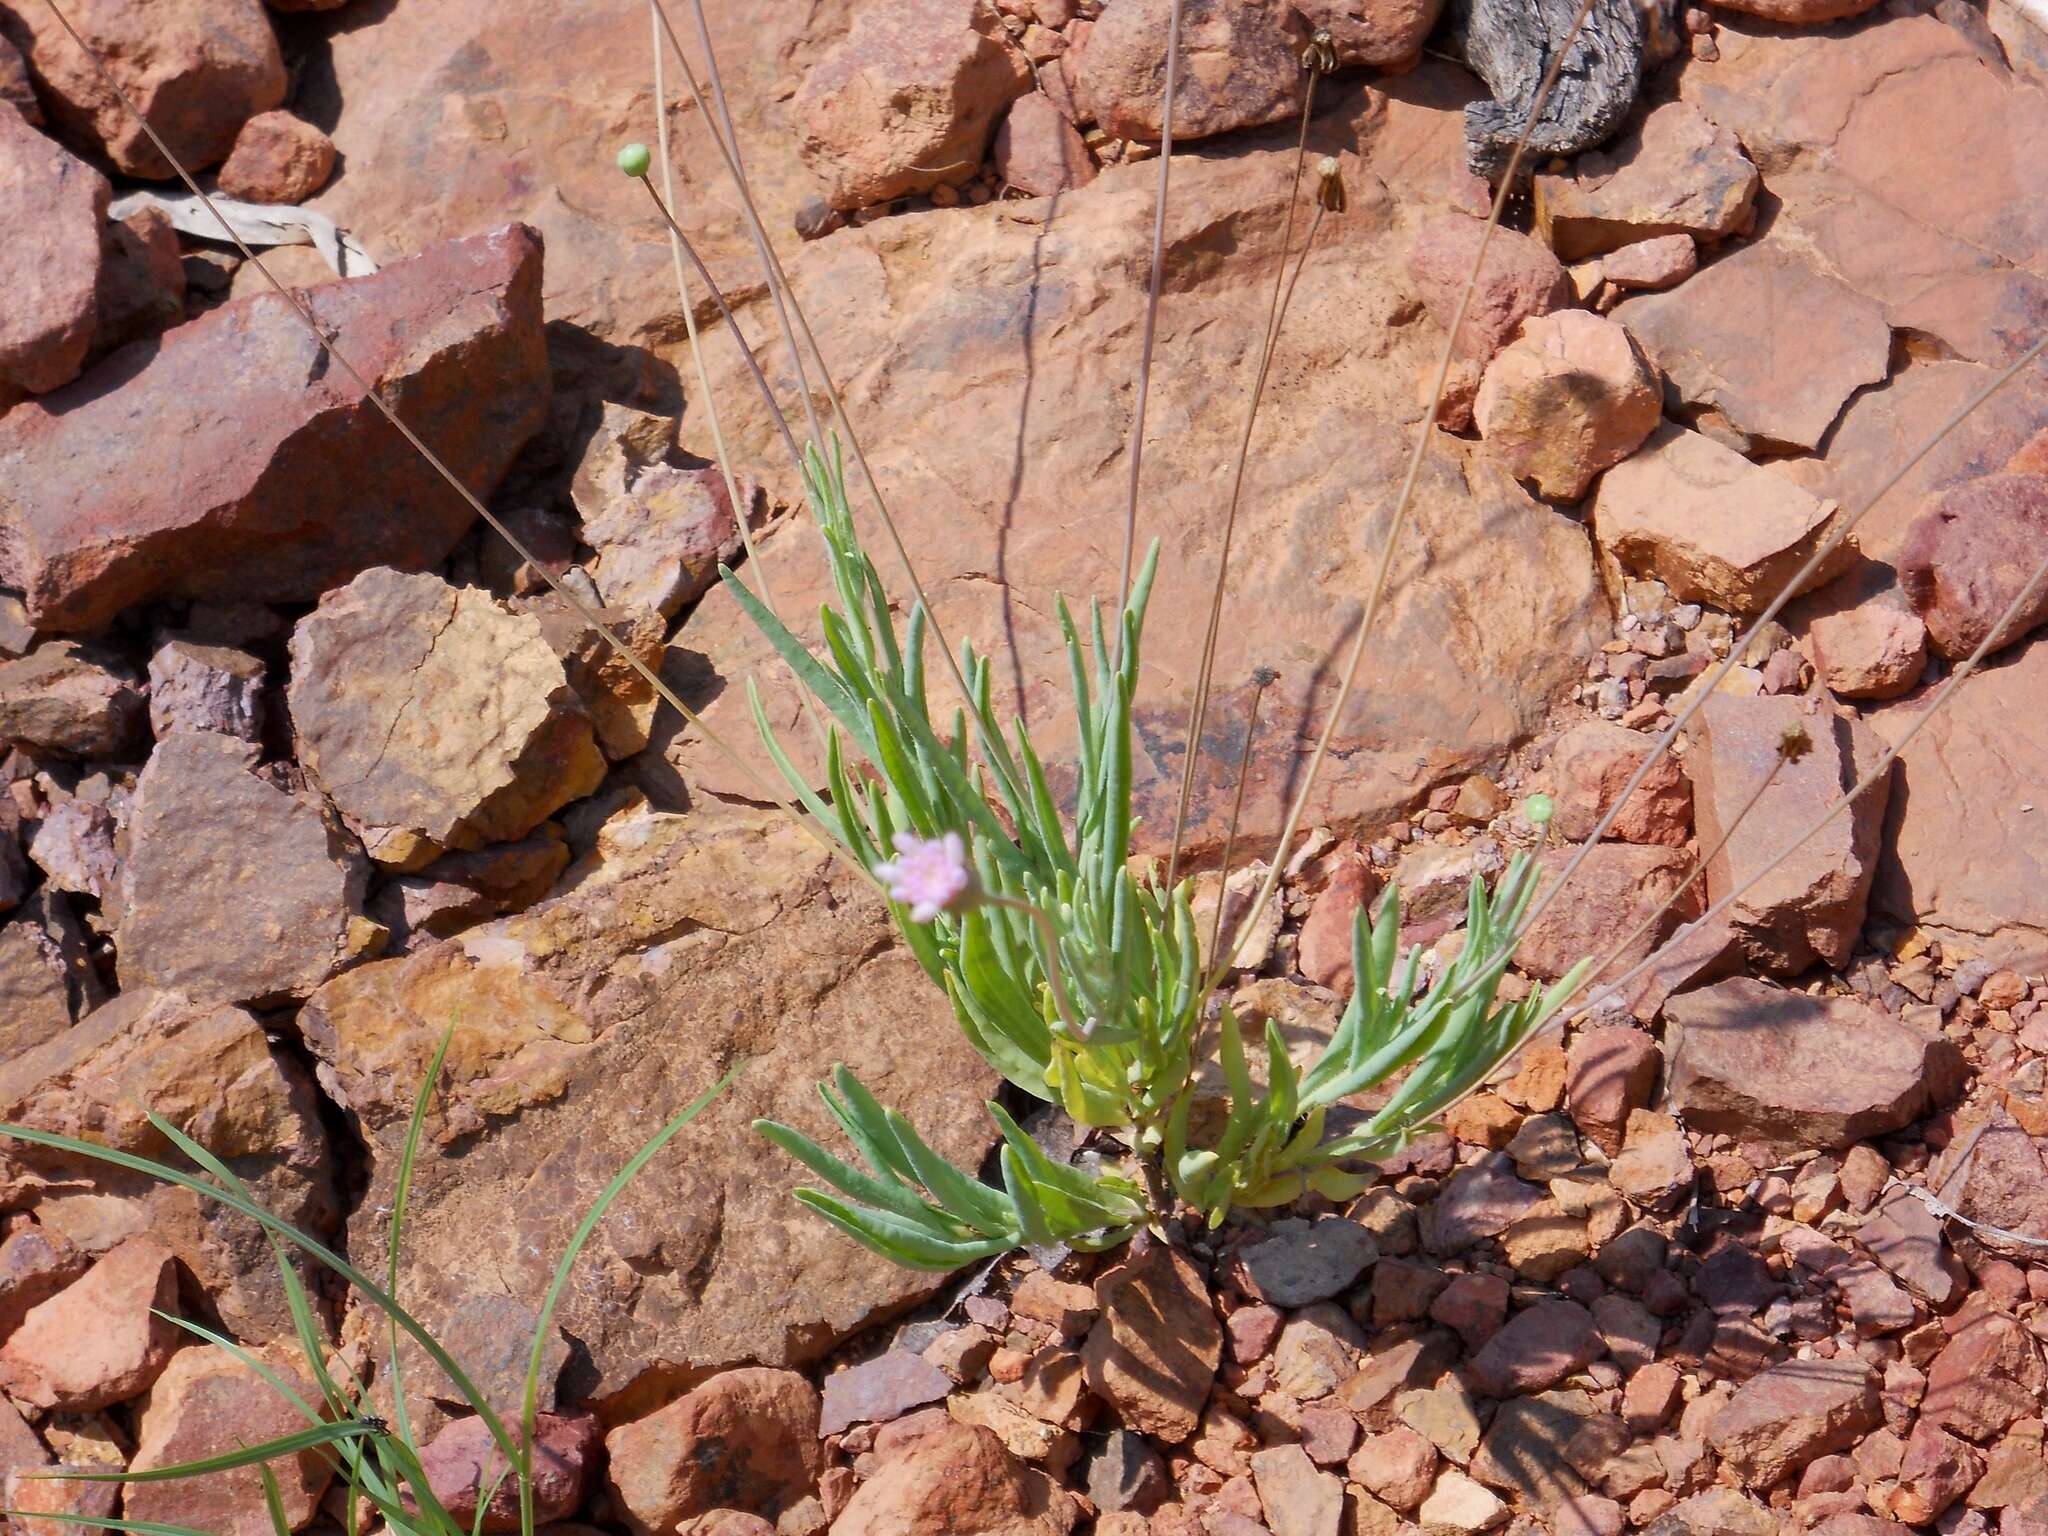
<point>930,876</point>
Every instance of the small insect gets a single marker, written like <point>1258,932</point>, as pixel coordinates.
<point>374,1425</point>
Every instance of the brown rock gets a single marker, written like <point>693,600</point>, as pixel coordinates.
<point>279,494</point>
<point>52,280</point>
<point>1813,904</point>
<point>34,1266</point>
<point>277,158</point>
<point>207,1403</point>
<point>1655,1165</point>
<point>1121,81</point>
<point>1652,265</point>
<point>1567,399</point>
<point>16,89</point>
<point>1790,1071</point>
<point>196,72</point>
<point>74,847</point>
<point>1482,1199</point>
<point>1870,650</point>
<point>463,1461</point>
<point>1970,555</point>
<point>1987,1375</point>
<point>1540,1346</point>
<point>957,1482</point>
<point>459,890</point>
<point>1519,279</point>
<point>435,718</point>
<point>880,1389</point>
<point>1297,1497</point>
<point>142,281</point>
<point>198,687</point>
<point>1613,1071</point>
<point>1798,12</point>
<point>213,1073</point>
<point>1154,1352</point>
<point>1938,1469</point>
<point>1323,953</point>
<point>232,889</point>
<point>908,100</point>
<point>98,1341</point>
<point>1592,764</point>
<point>620,701</point>
<point>1384,34</point>
<point>1958,849</point>
<point>617,995</point>
<point>1612,894</point>
<point>82,700</point>
<point>29,1497</point>
<point>1706,522</point>
<point>1676,174</point>
<point>1397,1466</point>
<point>1721,345</point>
<point>47,979</point>
<point>1298,1262</point>
<point>1784,1417</point>
<point>1038,151</point>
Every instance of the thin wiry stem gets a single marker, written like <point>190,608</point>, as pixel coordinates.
<point>1406,497</point>
<point>1123,581</point>
<point>1262,679</point>
<point>370,393</point>
<point>1276,317</point>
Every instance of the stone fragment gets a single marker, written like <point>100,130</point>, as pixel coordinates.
<point>1520,279</point>
<point>745,1439</point>
<point>52,279</point>
<point>1613,1072</point>
<point>1475,1305</point>
<point>1706,522</point>
<point>1317,1352</point>
<point>1721,344</point>
<point>73,845</point>
<point>1988,1374</point>
<point>1300,1262</point>
<point>1299,1499</point>
<point>907,101</point>
<point>1052,1446</point>
<point>1482,1199</point>
<point>1323,953</point>
<point>47,978</point>
<point>459,890</point>
<point>1970,555</point>
<point>1592,764</point>
<point>878,1390</point>
<point>1121,79</point>
<point>1652,265</point>
<point>1536,1447</point>
<point>1871,650</point>
<point>1568,398</point>
<point>142,281</point>
<point>958,1481</point>
<point>234,889</point>
<point>40,1505</point>
<point>16,89</point>
<point>198,687</point>
<point>277,158</point>
<point>1784,1417</point>
<point>1812,905</point>
<point>619,698</point>
<point>1038,151</point>
<point>34,1266</point>
<point>1458,1506</point>
<point>208,1403</point>
<point>1153,1353</point>
<point>1446,1416</point>
<point>1798,13</point>
<point>464,1466</point>
<point>279,494</point>
<point>434,718</point>
<point>1540,1346</point>
<point>1398,1466</point>
<point>1790,1071</point>
<point>1383,34</point>
<point>98,1341</point>
<point>660,526</point>
<point>197,73</point>
<point>1613,893</point>
<point>1676,175</point>
<point>1127,1474</point>
<point>213,1072</point>
<point>78,698</point>
<point>1655,1165</point>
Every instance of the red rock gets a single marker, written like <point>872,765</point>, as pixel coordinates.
<point>1385,34</point>
<point>81,700</point>
<point>1868,650</point>
<point>463,1462</point>
<point>907,100</point>
<point>1812,905</point>
<point>1592,764</point>
<point>1970,555</point>
<point>1652,265</point>
<point>1398,1466</point>
<point>1612,893</point>
<point>1938,1470</point>
<point>97,1341</point>
<point>1037,150</point>
<point>279,494</point>
<point>746,1439</point>
<point>207,1403</point>
<point>197,72</point>
<point>1153,1354</point>
<point>34,1266</point>
<point>878,1390</point>
<point>1720,344</point>
<point>1613,1071</point>
<point>1252,1332</point>
<point>1474,1305</point>
<point>277,158</point>
<point>1676,174</point>
<point>1068,1308</point>
<point>1121,78</point>
<point>1987,1375</point>
<point>1907,1239</point>
<point>1798,12</point>
<point>1570,397</point>
<point>1520,279</point>
<point>957,1482</point>
<point>1709,524</point>
<point>1786,1416</point>
<point>1540,1346</point>
<point>1787,1070</point>
<point>142,281</point>
<point>51,1498</point>
<point>1323,953</point>
<point>52,280</point>
<point>1651,1397</point>
<point>1959,852</point>
<point>1655,1165</point>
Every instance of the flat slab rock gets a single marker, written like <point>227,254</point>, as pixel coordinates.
<point>1766,1064</point>
<point>682,942</point>
<point>286,481</point>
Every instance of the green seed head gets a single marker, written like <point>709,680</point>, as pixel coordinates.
<point>1538,809</point>
<point>634,160</point>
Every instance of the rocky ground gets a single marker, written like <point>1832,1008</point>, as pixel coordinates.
<point>302,765</point>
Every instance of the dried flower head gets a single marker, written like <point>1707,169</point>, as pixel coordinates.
<point>928,875</point>
<point>1320,56</point>
<point>1330,185</point>
<point>1793,742</point>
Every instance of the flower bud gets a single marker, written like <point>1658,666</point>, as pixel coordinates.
<point>634,160</point>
